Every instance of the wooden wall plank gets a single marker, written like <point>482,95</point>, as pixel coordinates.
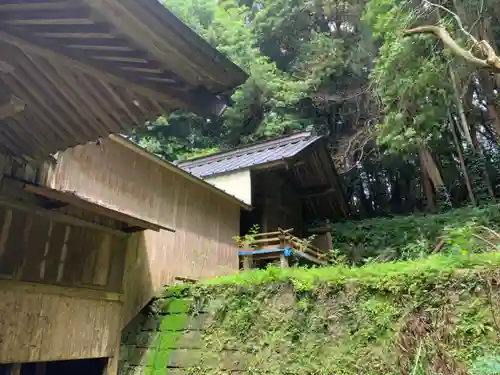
<point>103,259</point>
<point>45,327</point>
<point>36,244</point>
<point>73,269</point>
<point>205,222</point>
<point>52,261</point>
<point>12,252</point>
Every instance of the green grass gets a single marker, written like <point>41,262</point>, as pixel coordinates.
<point>397,272</point>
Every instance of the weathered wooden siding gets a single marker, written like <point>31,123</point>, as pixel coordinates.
<point>38,249</point>
<point>204,222</point>
<point>47,323</point>
<point>59,287</point>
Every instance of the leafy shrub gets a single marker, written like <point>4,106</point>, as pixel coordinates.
<point>414,236</point>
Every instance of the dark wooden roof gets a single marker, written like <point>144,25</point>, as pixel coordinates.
<point>303,159</point>
<point>76,70</point>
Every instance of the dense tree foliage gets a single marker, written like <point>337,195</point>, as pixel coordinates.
<point>405,90</point>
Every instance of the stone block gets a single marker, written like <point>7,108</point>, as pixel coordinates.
<point>200,322</point>
<point>169,339</point>
<point>162,359</point>
<point>137,356</point>
<point>174,322</point>
<point>151,323</point>
<point>185,358</point>
<point>190,340</point>
<point>173,305</point>
<point>137,370</point>
<point>124,350</point>
<point>227,360</point>
<point>146,339</point>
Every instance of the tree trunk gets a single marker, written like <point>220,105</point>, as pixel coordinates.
<point>431,167</point>
<point>479,151</point>
<point>460,107</point>
<point>462,162</point>
<point>430,199</point>
<point>429,177</point>
<point>490,98</point>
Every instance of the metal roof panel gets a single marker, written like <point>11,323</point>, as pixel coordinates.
<point>249,156</point>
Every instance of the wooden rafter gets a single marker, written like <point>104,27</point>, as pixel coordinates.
<point>86,69</point>
<point>12,107</point>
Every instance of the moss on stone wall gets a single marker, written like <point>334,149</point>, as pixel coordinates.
<point>434,316</point>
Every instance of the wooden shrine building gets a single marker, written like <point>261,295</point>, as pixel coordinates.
<point>290,181</point>
<point>88,233</point>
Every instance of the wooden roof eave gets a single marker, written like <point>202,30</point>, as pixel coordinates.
<point>147,23</point>
<point>87,205</point>
<point>200,100</point>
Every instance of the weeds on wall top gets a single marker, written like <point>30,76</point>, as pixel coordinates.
<point>431,316</point>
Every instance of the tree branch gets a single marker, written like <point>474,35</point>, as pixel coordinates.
<point>457,18</point>
<point>491,62</point>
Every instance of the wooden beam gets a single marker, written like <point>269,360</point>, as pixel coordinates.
<point>71,292</point>
<point>6,68</point>
<point>29,6</point>
<point>318,191</point>
<point>92,47</point>
<point>57,216</point>
<point>57,56</point>
<point>84,204</point>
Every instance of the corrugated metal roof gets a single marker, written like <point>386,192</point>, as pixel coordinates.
<point>249,156</point>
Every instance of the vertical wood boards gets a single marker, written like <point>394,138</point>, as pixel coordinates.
<point>281,203</point>
<point>205,223</point>
<point>36,249</point>
<point>49,326</point>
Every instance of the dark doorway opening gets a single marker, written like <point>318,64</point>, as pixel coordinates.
<point>94,366</point>
<point>248,219</point>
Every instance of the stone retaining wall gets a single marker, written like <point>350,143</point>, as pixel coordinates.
<point>165,338</point>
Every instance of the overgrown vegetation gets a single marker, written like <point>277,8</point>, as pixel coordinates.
<point>413,126</point>
<point>431,316</point>
<point>416,236</point>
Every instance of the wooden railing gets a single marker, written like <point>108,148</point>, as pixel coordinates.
<point>283,238</point>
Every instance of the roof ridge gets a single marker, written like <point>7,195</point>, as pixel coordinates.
<point>223,154</point>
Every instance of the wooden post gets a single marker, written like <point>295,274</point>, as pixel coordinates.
<point>284,260</point>
<point>111,367</point>
<point>247,262</point>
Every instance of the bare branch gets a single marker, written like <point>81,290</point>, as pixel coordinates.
<point>492,61</point>
<point>457,18</point>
